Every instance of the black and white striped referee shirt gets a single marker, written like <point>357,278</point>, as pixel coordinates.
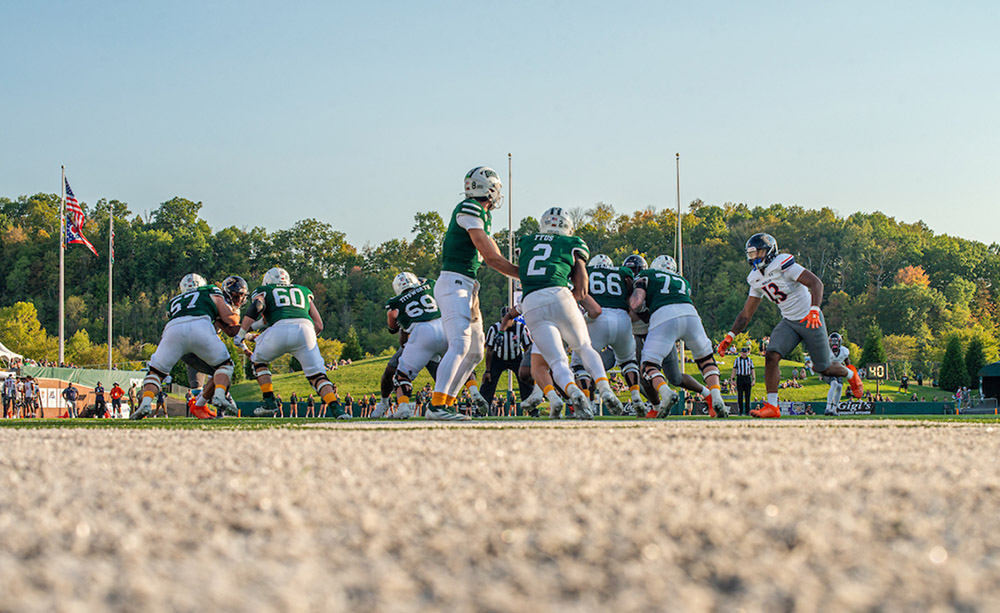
<point>743,367</point>
<point>509,344</point>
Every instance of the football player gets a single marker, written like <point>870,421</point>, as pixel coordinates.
<point>293,323</point>
<point>667,297</point>
<point>841,355</point>
<point>467,243</point>
<point>610,287</point>
<point>194,316</point>
<point>798,294</point>
<point>549,260</point>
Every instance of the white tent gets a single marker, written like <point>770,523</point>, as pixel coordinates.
<point>7,353</point>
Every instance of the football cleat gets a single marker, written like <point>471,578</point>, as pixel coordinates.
<point>857,387</point>
<point>581,406</point>
<point>716,406</point>
<point>533,400</point>
<point>555,409</point>
<point>380,409</point>
<point>270,408</point>
<point>830,412</point>
<point>192,281</point>
<point>445,414</point>
<point>203,412</point>
<point>610,399</point>
<point>768,411</point>
<point>145,409</point>
<point>221,401</point>
<point>629,409</point>
<point>405,411</point>
<point>664,263</point>
<point>667,401</point>
<point>482,407</point>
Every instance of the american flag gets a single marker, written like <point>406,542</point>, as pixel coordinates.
<point>75,220</point>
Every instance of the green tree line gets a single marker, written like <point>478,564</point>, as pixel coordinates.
<point>919,288</point>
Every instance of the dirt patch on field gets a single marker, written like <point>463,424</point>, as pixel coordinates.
<point>559,517</point>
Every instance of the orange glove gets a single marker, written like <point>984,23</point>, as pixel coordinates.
<point>812,320</point>
<point>726,342</point>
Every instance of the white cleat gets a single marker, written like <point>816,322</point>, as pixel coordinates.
<point>145,409</point>
<point>478,401</point>
<point>223,403</point>
<point>533,400</point>
<point>581,406</point>
<point>612,401</point>
<point>405,411</point>
<point>830,412</point>
<point>667,401</point>
<point>555,408</point>
<point>445,414</point>
<point>716,405</point>
<point>380,409</point>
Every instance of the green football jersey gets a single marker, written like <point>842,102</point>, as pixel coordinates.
<point>546,260</point>
<point>415,305</point>
<point>663,289</point>
<point>610,286</point>
<point>284,302</point>
<point>458,253</point>
<point>196,303</point>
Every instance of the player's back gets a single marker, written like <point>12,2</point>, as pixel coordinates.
<point>546,260</point>
<point>665,289</point>
<point>415,305</point>
<point>610,286</point>
<point>196,303</point>
<point>284,302</point>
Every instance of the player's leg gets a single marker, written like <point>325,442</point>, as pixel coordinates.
<point>168,352</point>
<point>573,329</point>
<point>542,375</point>
<point>313,367</point>
<point>623,344</point>
<point>271,344</point>
<point>693,333</point>
<point>583,379</point>
<point>210,350</point>
<point>546,315</point>
<point>833,395</point>
<point>659,343</point>
<point>535,395</point>
<point>387,384</point>
<point>454,296</point>
<point>426,342</point>
<point>784,338</point>
<point>817,343</point>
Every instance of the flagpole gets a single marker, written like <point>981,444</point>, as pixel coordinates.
<point>62,267</point>
<point>111,261</point>
<point>510,255</point>
<point>679,243</point>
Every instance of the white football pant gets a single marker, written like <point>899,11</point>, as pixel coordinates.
<point>189,335</point>
<point>553,318</point>
<point>458,298</point>
<point>294,336</point>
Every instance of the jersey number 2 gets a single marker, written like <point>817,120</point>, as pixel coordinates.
<point>544,251</point>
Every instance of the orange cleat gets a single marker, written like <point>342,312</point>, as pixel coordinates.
<point>711,409</point>
<point>203,412</point>
<point>857,388</point>
<point>651,414</point>
<point>767,411</point>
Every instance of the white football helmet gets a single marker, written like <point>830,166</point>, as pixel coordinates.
<point>556,221</point>
<point>601,261</point>
<point>664,263</point>
<point>277,276</point>
<point>192,281</point>
<point>404,281</point>
<point>484,182</point>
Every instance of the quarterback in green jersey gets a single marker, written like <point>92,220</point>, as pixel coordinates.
<point>673,317</point>
<point>467,243</point>
<point>414,312</point>
<point>610,287</point>
<point>548,262</point>
<point>292,325</point>
<point>193,317</point>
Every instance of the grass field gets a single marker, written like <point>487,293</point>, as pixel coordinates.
<point>362,378</point>
<point>682,514</point>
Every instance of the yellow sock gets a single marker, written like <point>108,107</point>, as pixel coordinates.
<point>451,400</point>
<point>149,394</point>
<point>221,387</point>
<point>266,388</point>
<point>547,389</point>
<point>715,387</point>
<point>660,386</point>
<point>634,388</point>
<point>439,399</point>
<point>404,399</point>
<point>328,398</point>
<point>587,394</point>
<point>470,383</point>
<point>605,379</point>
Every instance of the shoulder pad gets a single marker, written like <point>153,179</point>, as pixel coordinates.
<point>787,262</point>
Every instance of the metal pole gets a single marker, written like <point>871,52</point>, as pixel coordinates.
<point>111,262</point>
<point>62,267</point>
<point>679,244</point>
<point>510,256</point>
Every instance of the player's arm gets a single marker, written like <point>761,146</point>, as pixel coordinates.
<point>391,320</point>
<point>749,308</point>
<point>579,278</point>
<point>254,311</point>
<point>506,320</point>
<point>487,248</point>
<point>591,307</point>
<point>487,363</point>
<point>815,286</point>
<point>638,297</point>
<point>229,320</point>
<point>315,316</point>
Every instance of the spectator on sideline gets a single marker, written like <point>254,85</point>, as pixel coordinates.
<point>29,397</point>
<point>310,406</point>
<point>349,405</point>
<point>9,393</point>
<point>116,400</point>
<point>161,403</point>
<point>132,394</point>
<point>100,406</point>
<point>70,395</point>
<point>190,403</point>
<point>293,405</point>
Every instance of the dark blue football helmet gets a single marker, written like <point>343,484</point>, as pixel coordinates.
<point>765,241</point>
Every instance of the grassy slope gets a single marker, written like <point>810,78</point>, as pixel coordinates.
<point>363,376</point>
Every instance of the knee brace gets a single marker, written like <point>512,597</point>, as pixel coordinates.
<point>630,366</point>
<point>226,368</point>
<point>707,365</point>
<point>650,371</point>
<point>402,382</point>
<point>319,381</point>
<point>580,373</point>
<point>261,369</point>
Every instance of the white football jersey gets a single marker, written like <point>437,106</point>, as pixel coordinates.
<point>841,355</point>
<point>778,283</point>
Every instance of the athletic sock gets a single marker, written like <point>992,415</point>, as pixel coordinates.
<point>404,399</point>
<point>705,391</point>
<point>267,389</point>
<point>634,391</point>
<point>329,398</point>
<point>149,394</point>
<point>552,395</point>
<point>772,399</point>
<point>439,399</point>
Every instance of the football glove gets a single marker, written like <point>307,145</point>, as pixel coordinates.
<point>812,320</point>
<point>726,342</point>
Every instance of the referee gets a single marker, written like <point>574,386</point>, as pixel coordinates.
<point>504,350</point>
<point>746,376</point>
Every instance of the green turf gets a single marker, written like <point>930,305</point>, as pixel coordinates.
<point>362,378</point>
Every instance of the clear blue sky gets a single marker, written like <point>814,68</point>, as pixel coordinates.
<point>361,114</point>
